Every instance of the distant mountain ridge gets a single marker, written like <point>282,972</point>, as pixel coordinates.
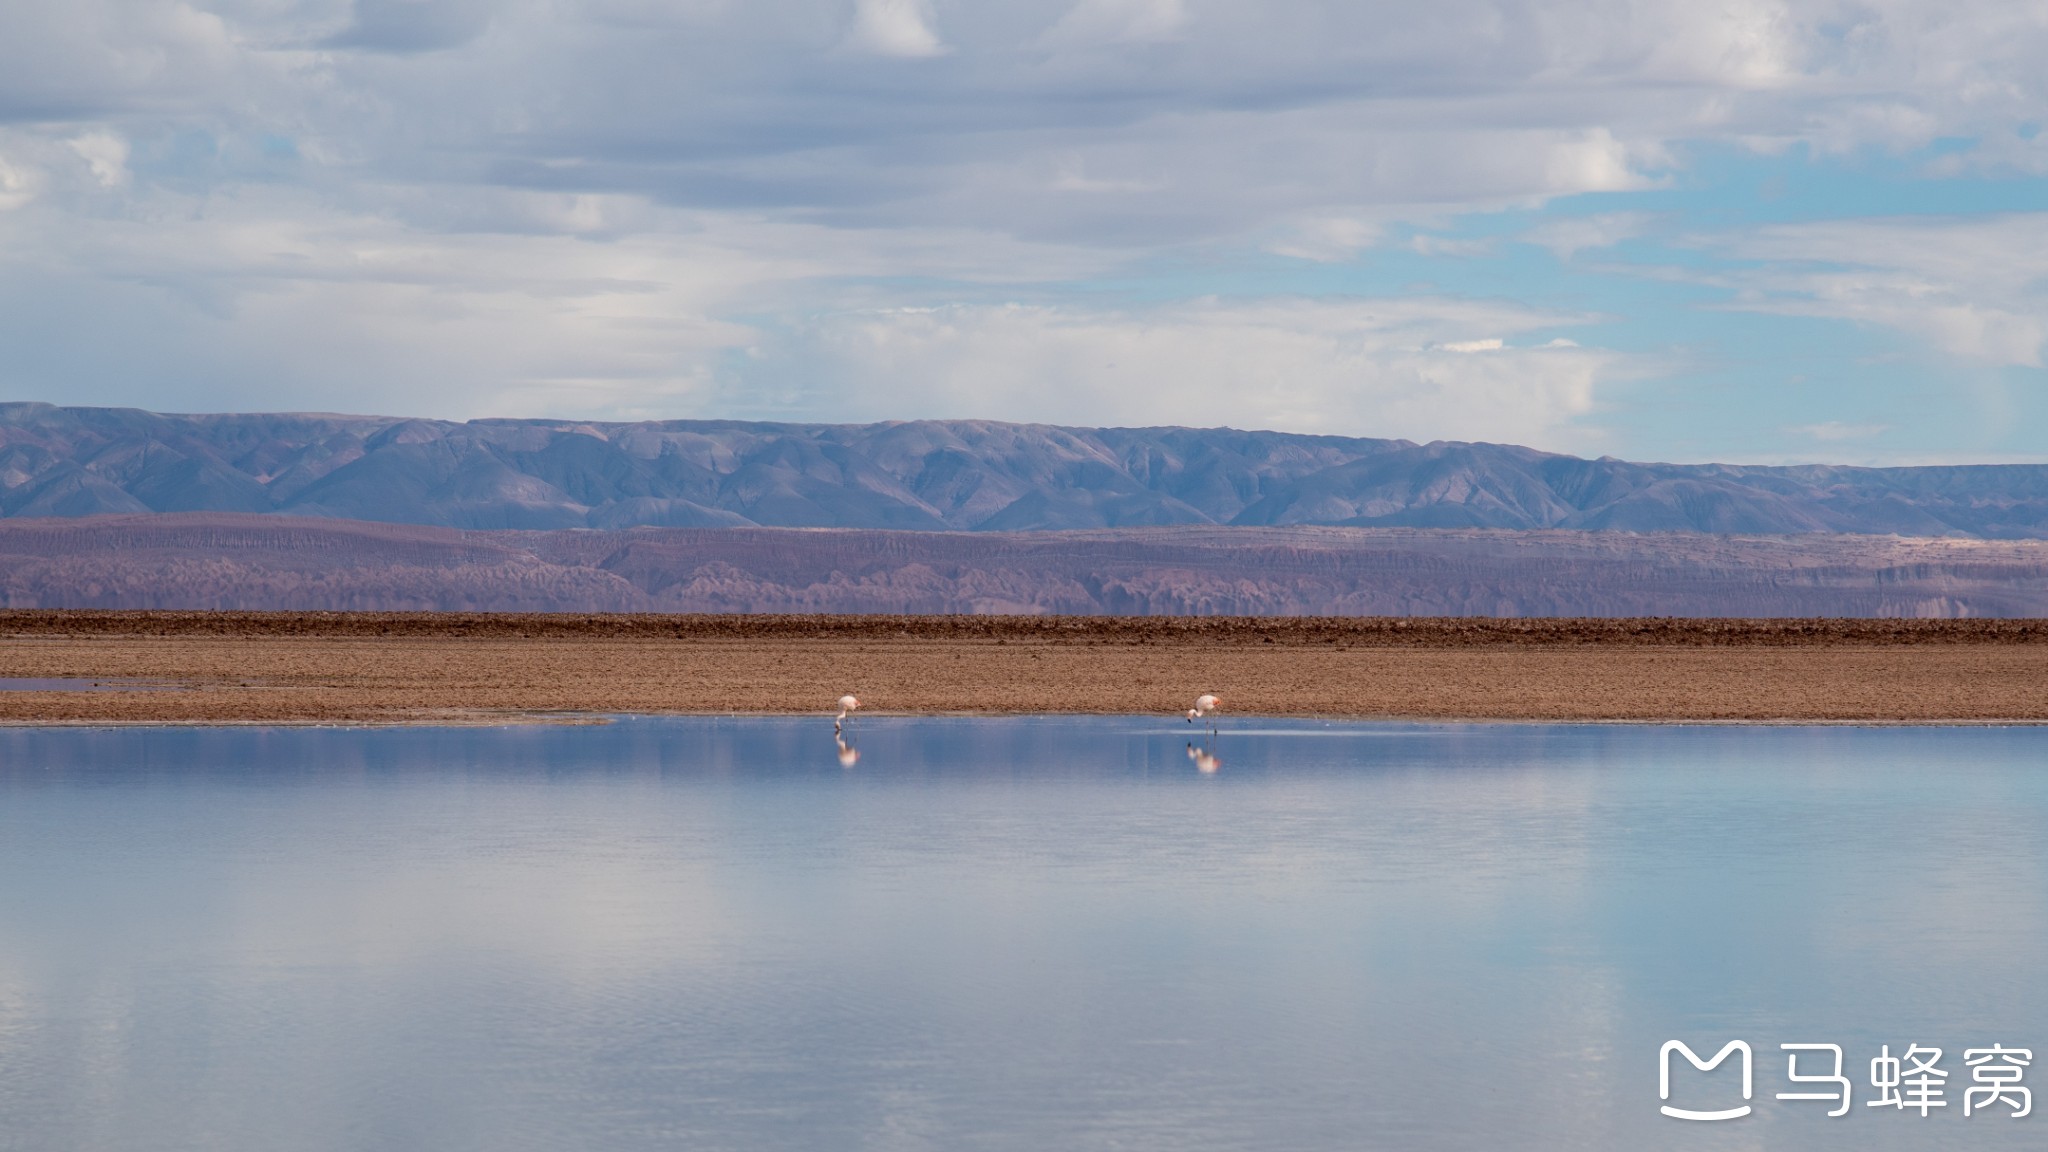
<point>214,561</point>
<point>957,475</point>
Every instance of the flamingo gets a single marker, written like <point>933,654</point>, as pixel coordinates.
<point>1206,705</point>
<point>847,704</point>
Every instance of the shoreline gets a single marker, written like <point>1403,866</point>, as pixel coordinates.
<point>594,720</point>
<point>1364,631</point>
<point>443,669</point>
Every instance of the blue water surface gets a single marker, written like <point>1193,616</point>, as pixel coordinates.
<point>1038,934</point>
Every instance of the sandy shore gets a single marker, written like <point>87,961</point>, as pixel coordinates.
<point>400,668</point>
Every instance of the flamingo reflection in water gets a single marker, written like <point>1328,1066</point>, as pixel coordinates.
<point>848,754</point>
<point>1206,706</point>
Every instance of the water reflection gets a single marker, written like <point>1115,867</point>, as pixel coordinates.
<point>848,754</point>
<point>1206,762</point>
<point>1001,935</point>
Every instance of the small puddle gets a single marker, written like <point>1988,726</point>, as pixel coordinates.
<point>59,684</point>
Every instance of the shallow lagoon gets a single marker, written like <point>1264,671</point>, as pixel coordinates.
<point>1039,933</point>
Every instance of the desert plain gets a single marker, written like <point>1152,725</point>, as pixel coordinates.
<point>397,668</point>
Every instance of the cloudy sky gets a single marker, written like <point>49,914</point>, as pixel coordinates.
<point>1740,230</point>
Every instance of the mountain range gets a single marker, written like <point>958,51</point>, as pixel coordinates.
<point>952,475</point>
<point>256,562</point>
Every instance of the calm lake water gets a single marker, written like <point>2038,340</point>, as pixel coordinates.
<point>1035,934</point>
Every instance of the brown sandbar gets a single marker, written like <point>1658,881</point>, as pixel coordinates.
<point>318,668</point>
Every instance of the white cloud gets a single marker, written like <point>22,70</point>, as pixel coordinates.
<point>270,299</point>
<point>1427,245</point>
<point>1571,235</point>
<point>1326,239</point>
<point>106,155</point>
<point>18,184</point>
<point>1074,177</point>
<point>1837,431</point>
<point>406,26</point>
<point>1974,288</point>
<point>895,28</point>
<point>1254,114</point>
<point>274,302</point>
<point>1368,367</point>
<point>1119,22</point>
<point>592,205</point>
<point>1594,161</point>
<point>86,58</point>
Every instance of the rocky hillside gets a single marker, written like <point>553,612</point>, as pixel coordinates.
<point>960,475</point>
<point>215,561</point>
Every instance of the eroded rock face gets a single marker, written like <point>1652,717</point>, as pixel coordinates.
<point>258,562</point>
<point>957,475</point>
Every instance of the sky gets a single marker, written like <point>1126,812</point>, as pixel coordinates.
<point>1656,229</point>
